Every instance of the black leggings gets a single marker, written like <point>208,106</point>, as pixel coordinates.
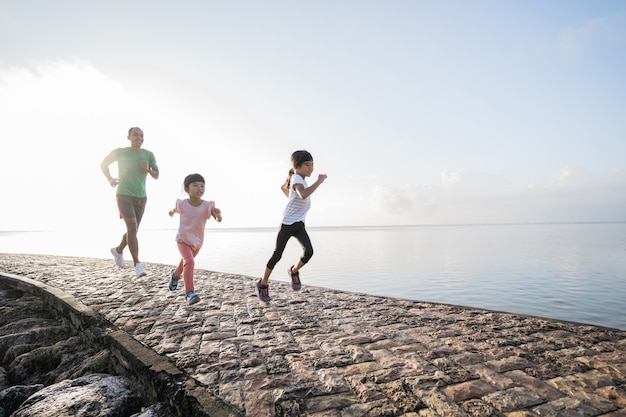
<point>298,231</point>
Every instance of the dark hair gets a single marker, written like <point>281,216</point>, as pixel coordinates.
<point>192,178</point>
<point>130,131</point>
<point>288,180</point>
<point>300,157</point>
<point>297,159</point>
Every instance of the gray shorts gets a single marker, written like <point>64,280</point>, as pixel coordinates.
<point>131,207</point>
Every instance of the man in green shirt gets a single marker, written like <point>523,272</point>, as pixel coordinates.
<point>133,166</point>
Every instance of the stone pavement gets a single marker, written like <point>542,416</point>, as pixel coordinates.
<point>320,352</point>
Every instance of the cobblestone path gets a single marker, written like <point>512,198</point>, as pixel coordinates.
<point>320,352</point>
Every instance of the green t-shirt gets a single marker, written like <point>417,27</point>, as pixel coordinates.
<point>130,173</point>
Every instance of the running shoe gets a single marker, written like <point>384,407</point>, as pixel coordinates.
<point>295,279</point>
<point>263,291</point>
<point>173,280</point>
<point>139,271</point>
<point>192,298</point>
<point>119,258</point>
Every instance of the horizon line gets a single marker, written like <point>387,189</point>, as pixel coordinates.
<point>361,227</point>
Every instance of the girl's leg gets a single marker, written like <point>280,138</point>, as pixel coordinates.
<point>178,272</point>
<point>284,233</point>
<point>188,261</point>
<point>266,276</point>
<point>303,237</point>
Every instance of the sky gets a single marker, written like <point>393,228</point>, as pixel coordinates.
<point>419,112</point>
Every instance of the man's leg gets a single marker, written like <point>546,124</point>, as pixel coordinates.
<point>120,248</point>
<point>130,238</point>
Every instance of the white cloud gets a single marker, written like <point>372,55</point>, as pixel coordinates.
<point>383,148</point>
<point>59,85</point>
<point>59,105</point>
<point>450,177</point>
<point>407,199</point>
<point>63,117</point>
<point>570,194</point>
<point>575,41</point>
<point>59,119</point>
<point>570,175</point>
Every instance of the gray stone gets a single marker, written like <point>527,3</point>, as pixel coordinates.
<point>46,363</point>
<point>12,397</point>
<point>95,395</point>
<point>4,382</point>
<point>156,410</point>
<point>38,349</point>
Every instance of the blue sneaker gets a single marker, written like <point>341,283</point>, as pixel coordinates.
<point>173,280</point>
<point>192,298</point>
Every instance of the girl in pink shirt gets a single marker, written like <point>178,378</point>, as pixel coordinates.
<point>194,212</point>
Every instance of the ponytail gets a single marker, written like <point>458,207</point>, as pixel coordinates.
<point>288,180</point>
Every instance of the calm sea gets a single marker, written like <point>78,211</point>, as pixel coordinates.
<point>573,272</point>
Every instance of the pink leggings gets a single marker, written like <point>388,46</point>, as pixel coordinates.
<point>186,264</point>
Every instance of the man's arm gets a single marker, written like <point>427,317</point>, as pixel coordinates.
<point>104,166</point>
<point>154,172</point>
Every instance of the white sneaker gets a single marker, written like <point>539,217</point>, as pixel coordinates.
<point>139,272</point>
<point>119,258</point>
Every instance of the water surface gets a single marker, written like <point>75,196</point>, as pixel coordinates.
<point>573,272</point>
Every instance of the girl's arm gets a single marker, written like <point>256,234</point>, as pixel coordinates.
<point>305,192</point>
<point>176,209</point>
<point>216,213</point>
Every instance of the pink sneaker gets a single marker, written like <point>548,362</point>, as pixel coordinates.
<point>295,279</point>
<point>263,291</point>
